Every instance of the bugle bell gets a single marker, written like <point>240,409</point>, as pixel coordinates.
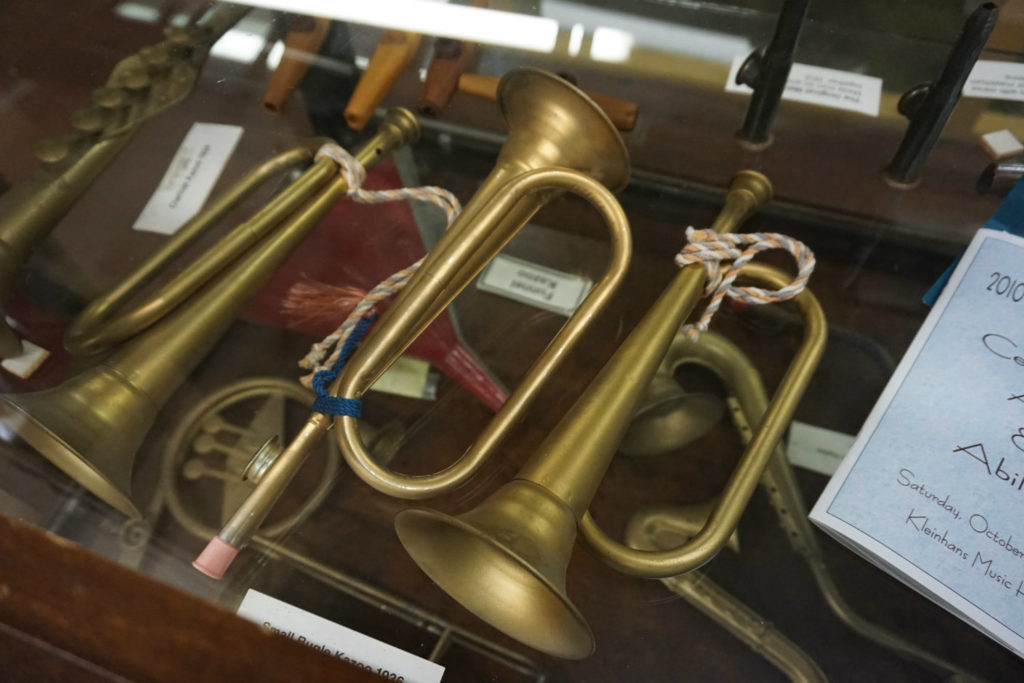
<point>558,141</point>
<point>91,425</point>
<point>506,560</point>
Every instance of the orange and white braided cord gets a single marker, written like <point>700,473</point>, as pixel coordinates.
<point>324,354</point>
<point>710,249</point>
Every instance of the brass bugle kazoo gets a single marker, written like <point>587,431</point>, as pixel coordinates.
<point>733,500</point>
<point>91,425</point>
<point>559,141</point>
<point>30,210</point>
<point>506,559</point>
<point>749,400</point>
<point>663,526</point>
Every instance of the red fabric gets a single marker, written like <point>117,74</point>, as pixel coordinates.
<point>359,245</point>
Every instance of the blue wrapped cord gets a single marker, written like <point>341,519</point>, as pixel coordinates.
<point>337,405</point>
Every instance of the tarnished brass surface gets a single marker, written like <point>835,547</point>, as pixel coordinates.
<point>659,529</point>
<point>505,561</point>
<point>553,128</point>
<point>91,425</point>
<point>98,327</point>
<point>668,417</point>
<point>139,87</point>
<point>748,402</point>
<point>558,141</point>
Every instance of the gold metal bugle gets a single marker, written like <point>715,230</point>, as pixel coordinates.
<point>139,87</point>
<point>506,560</point>
<point>748,402</point>
<point>91,425</point>
<point>558,141</point>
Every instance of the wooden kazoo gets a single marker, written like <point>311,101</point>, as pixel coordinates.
<point>451,59</point>
<point>305,36</point>
<point>393,53</point>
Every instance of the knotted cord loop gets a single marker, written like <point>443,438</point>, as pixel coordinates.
<point>328,353</point>
<point>337,405</point>
<point>710,248</point>
<point>355,175</point>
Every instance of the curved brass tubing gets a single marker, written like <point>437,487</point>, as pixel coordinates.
<point>558,141</point>
<point>748,396</point>
<point>240,528</point>
<point>664,526</point>
<point>140,86</point>
<point>436,291</point>
<point>91,425</point>
<point>96,328</point>
<point>506,559</point>
<point>733,500</point>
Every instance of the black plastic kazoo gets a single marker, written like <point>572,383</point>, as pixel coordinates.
<point>766,72</point>
<point>930,105</point>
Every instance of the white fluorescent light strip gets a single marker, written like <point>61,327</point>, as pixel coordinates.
<point>507,29</point>
<point>611,45</point>
<point>575,39</point>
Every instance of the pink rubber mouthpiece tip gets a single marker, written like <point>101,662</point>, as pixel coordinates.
<point>215,558</point>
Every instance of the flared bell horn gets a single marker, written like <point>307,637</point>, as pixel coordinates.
<point>553,123</point>
<point>509,574</point>
<point>89,427</point>
<point>670,417</point>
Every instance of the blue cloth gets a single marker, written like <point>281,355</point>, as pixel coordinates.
<point>337,405</point>
<point>1009,217</point>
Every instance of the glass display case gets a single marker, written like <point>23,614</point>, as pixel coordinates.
<point>136,395</point>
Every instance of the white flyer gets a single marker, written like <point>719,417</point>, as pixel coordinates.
<point>933,488</point>
<point>823,87</point>
<point>190,177</point>
<point>390,663</point>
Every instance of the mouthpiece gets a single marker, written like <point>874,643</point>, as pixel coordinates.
<point>216,558</point>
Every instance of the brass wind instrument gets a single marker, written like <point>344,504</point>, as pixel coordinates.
<point>558,141</point>
<point>663,527</point>
<point>139,87</point>
<point>622,113</point>
<point>91,425</point>
<point>748,401</point>
<point>506,560</point>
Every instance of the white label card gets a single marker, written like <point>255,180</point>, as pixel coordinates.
<point>189,179</point>
<point>407,376</point>
<point>539,286</point>
<point>27,362</point>
<point>816,448</point>
<point>823,87</point>
<point>995,80</point>
<point>388,662</point>
<point>933,488</point>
